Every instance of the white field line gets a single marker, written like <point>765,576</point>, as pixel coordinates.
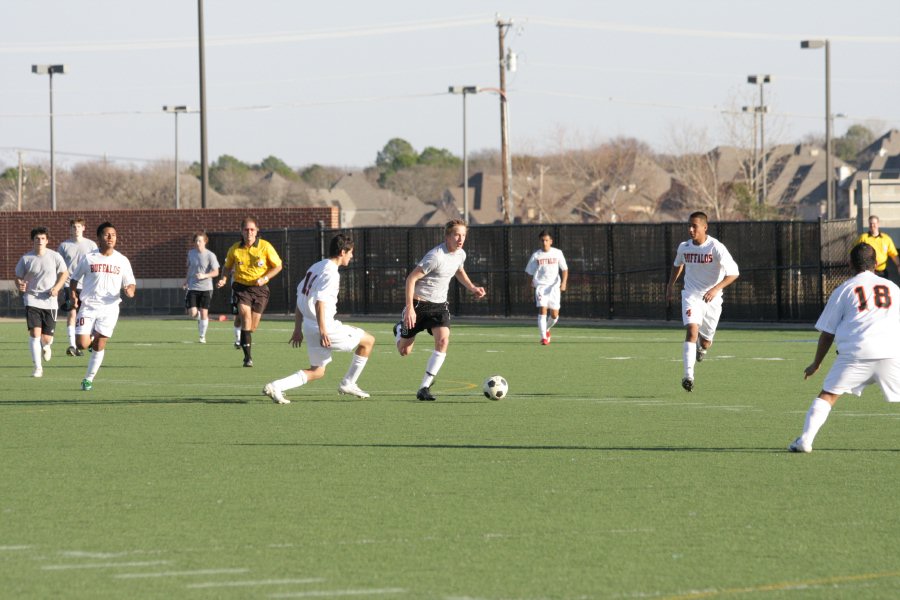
<point>14,548</point>
<point>262,582</point>
<point>180,573</point>
<point>338,593</point>
<point>113,565</point>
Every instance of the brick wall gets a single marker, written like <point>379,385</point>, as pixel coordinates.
<point>155,241</point>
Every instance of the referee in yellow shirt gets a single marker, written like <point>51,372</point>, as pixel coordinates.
<point>883,244</point>
<point>252,262</point>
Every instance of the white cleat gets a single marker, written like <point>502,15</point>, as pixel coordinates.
<point>799,445</point>
<point>38,372</point>
<point>46,352</point>
<point>275,394</point>
<point>353,390</point>
<point>202,340</point>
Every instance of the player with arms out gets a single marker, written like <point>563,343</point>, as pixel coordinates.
<point>40,275</point>
<point>317,296</point>
<point>708,269</point>
<point>863,316</point>
<point>72,251</point>
<point>202,267</point>
<point>103,274</point>
<point>426,300</point>
<point>550,273</point>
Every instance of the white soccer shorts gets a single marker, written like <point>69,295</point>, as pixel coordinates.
<point>547,296</point>
<point>705,314</point>
<point>101,319</point>
<point>851,376</point>
<point>344,338</point>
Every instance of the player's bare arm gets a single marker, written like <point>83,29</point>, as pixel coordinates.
<point>60,282</point>
<point>824,345</point>
<point>129,290</point>
<point>670,288</point>
<point>21,284</point>
<point>268,275</point>
<point>226,271</point>
<point>717,289</point>
<point>297,337</point>
<point>564,280</point>
<point>463,278</point>
<point>409,316</point>
<point>320,320</point>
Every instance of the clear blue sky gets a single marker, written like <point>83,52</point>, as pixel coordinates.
<point>332,82</point>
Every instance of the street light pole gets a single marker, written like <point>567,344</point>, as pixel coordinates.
<point>464,90</point>
<point>830,207</point>
<point>51,70</point>
<point>762,109</point>
<point>175,110</point>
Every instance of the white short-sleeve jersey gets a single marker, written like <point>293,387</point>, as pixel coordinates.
<point>544,267</point>
<point>320,284</point>
<point>103,277</point>
<point>40,273</point>
<point>440,266</point>
<point>704,265</point>
<point>197,263</point>
<point>73,251</point>
<point>863,314</point>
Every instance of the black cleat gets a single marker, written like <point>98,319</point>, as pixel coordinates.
<point>688,384</point>
<point>237,345</point>
<point>396,328</point>
<point>701,353</point>
<point>248,362</point>
<point>80,352</point>
<point>70,351</point>
<point>425,394</point>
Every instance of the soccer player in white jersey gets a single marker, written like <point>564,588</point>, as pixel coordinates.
<point>103,274</point>
<point>863,316</point>
<point>40,275</point>
<point>549,274</point>
<point>708,269</point>
<point>426,300</point>
<point>202,267</point>
<point>72,250</point>
<point>314,320</point>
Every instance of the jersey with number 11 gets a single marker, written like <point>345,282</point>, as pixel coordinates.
<point>320,284</point>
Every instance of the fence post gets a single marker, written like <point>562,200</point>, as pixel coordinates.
<point>610,275</point>
<point>779,266</point>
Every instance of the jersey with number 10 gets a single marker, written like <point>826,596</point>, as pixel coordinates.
<point>320,284</point>
<point>864,316</point>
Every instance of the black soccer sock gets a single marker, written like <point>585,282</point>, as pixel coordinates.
<point>246,342</point>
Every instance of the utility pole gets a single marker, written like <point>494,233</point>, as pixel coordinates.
<point>204,161</point>
<point>19,181</point>
<point>502,29</point>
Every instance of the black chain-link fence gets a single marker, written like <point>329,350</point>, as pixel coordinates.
<point>615,271</point>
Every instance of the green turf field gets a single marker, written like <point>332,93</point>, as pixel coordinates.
<point>599,477</point>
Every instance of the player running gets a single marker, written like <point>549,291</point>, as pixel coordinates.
<point>550,273</point>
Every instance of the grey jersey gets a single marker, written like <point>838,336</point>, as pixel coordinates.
<point>440,265</point>
<point>40,273</point>
<point>200,262</point>
<point>72,252</point>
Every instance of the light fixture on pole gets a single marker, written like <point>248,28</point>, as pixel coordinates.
<point>465,90</point>
<point>175,110</point>
<point>51,70</point>
<point>762,109</point>
<point>830,208</point>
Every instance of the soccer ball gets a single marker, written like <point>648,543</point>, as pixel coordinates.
<point>495,387</point>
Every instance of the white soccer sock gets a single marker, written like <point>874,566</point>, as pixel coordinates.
<point>202,326</point>
<point>551,321</point>
<point>237,335</point>
<point>70,329</point>
<point>357,364</point>
<point>815,417</point>
<point>94,363</point>
<point>542,325</point>
<point>291,381</point>
<point>34,345</point>
<point>689,354</point>
<point>432,368</point>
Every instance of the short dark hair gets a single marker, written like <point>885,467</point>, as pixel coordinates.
<point>102,226</point>
<point>453,223</point>
<point>249,219</point>
<point>339,243</point>
<point>699,215</point>
<point>40,230</point>
<point>543,233</point>
<point>862,257</point>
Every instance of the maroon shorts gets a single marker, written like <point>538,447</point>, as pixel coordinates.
<point>256,297</point>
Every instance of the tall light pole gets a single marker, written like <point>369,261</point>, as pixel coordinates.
<point>175,110</point>
<point>762,109</point>
<point>204,162</point>
<point>508,217</point>
<point>51,70</point>
<point>465,90</point>
<point>830,208</point>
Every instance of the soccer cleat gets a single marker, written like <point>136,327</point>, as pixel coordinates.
<point>425,394</point>
<point>202,339</point>
<point>545,341</point>
<point>71,351</point>
<point>38,372</point>
<point>688,384</point>
<point>799,445</point>
<point>275,394</point>
<point>701,353</point>
<point>79,352</point>
<point>352,389</point>
<point>248,362</point>
<point>237,345</point>
<point>46,352</point>
<point>549,335</point>
<point>87,385</point>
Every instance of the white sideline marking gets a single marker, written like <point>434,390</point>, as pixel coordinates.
<point>6,548</point>
<point>180,573</point>
<point>335,593</point>
<point>616,357</point>
<point>83,554</point>
<point>768,358</point>
<point>215,584</point>
<point>146,563</point>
